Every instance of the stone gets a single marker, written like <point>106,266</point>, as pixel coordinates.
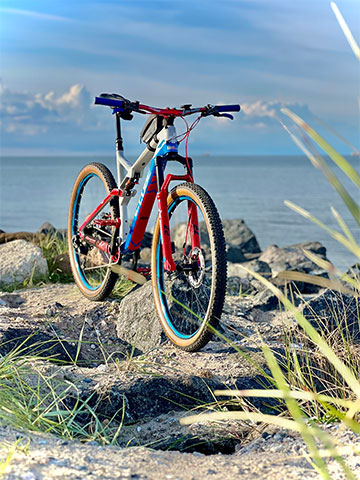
<point>293,257</point>
<point>137,322</point>
<point>234,254</point>
<point>257,266</point>
<point>20,261</point>
<point>330,311</point>
<point>238,234</point>
<point>47,229</point>
<point>62,263</point>
<point>266,301</point>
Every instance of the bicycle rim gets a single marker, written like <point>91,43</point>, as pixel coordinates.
<point>190,302</point>
<point>90,265</point>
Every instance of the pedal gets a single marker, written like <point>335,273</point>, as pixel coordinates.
<point>130,274</point>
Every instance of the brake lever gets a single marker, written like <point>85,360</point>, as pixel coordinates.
<point>226,115</point>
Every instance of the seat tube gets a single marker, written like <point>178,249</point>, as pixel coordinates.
<point>121,172</point>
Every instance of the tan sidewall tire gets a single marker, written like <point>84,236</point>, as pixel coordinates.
<point>201,337</point>
<point>105,288</point>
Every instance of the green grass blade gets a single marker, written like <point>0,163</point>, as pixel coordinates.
<point>333,154</point>
<point>353,247</point>
<point>323,346</point>
<point>344,27</point>
<point>343,225</point>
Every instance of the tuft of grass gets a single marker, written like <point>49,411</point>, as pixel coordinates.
<point>328,360</point>
<point>53,246</point>
<point>32,400</point>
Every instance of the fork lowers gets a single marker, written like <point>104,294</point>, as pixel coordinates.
<point>189,301</point>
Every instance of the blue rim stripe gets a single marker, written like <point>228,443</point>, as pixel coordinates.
<point>160,285</point>
<point>76,256</point>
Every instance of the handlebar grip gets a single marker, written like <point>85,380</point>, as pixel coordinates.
<point>227,108</point>
<point>110,102</point>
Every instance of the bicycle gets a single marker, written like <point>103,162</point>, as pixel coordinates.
<point>188,260</point>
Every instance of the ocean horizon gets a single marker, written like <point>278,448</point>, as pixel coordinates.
<point>36,189</point>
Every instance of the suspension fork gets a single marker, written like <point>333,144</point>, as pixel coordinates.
<point>162,195</point>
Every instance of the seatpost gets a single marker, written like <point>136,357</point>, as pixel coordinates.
<point>118,141</point>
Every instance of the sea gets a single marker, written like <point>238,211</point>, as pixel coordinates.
<point>34,190</point>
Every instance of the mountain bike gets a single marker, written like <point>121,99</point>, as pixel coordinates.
<point>188,259</point>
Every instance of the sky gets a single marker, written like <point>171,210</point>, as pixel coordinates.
<point>264,54</point>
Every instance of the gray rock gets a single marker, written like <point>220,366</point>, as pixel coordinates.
<point>239,238</point>
<point>234,254</point>
<point>241,282</point>
<point>258,266</point>
<point>266,301</point>
<point>237,286</point>
<point>137,322</point>
<point>11,300</point>
<point>293,258</point>
<point>238,234</point>
<point>330,311</point>
<point>20,261</point>
<point>47,229</point>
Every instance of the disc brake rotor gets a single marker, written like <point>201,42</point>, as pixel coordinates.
<point>195,278</point>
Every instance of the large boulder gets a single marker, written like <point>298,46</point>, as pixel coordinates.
<point>137,322</point>
<point>293,258</point>
<point>332,311</point>
<point>20,261</point>
<point>241,282</point>
<point>239,239</point>
<point>239,235</point>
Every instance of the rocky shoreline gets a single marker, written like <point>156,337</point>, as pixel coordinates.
<point>134,377</point>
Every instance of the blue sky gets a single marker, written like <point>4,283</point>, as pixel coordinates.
<point>56,56</point>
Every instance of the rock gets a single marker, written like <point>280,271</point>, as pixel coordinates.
<point>239,235</point>
<point>20,261</point>
<point>147,240</point>
<point>237,286</point>
<point>145,254</point>
<point>266,301</point>
<point>62,263</point>
<point>28,236</point>
<point>234,254</point>
<point>241,282</point>
<point>293,258</point>
<point>257,266</point>
<point>47,229</point>
<point>354,271</point>
<point>11,300</point>
<point>138,322</point>
<point>330,311</point>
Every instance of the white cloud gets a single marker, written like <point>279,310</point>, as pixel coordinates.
<point>30,114</point>
<point>33,14</point>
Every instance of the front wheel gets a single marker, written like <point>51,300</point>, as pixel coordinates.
<point>189,301</point>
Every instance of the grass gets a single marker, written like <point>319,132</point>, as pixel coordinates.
<point>320,381</point>
<point>34,401</point>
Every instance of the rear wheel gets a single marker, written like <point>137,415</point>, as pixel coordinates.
<point>189,301</point>
<point>90,265</point>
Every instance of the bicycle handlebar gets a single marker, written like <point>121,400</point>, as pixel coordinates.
<point>227,108</point>
<point>109,102</point>
<point>119,104</point>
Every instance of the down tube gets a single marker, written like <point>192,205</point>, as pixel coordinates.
<point>142,213</point>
